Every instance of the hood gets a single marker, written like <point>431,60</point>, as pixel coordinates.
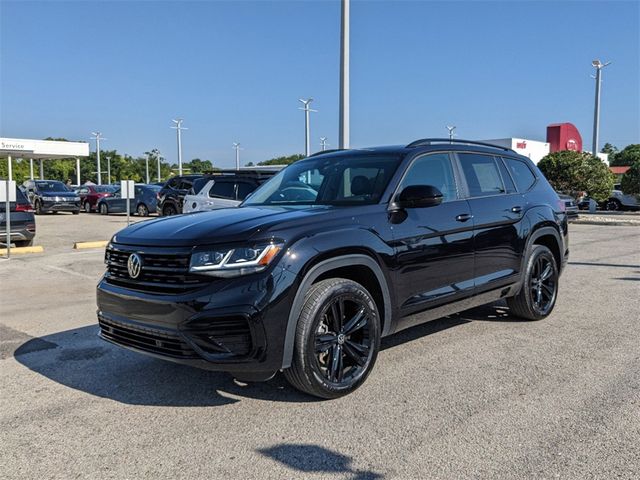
<point>216,226</point>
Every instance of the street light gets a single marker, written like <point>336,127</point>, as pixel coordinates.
<point>307,146</point>
<point>236,147</point>
<point>179,129</point>
<point>343,138</point>
<point>97,136</point>
<point>596,113</point>
<point>451,134</point>
<point>323,143</point>
<point>146,165</point>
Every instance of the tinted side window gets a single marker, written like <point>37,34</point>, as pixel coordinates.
<point>434,170</point>
<point>244,189</point>
<point>521,173</point>
<point>222,189</point>
<point>185,184</point>
<point>482,174</point>
<point>173,182</point>
<point>506,178</point>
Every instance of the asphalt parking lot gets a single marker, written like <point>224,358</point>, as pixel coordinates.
<point>476,395</point>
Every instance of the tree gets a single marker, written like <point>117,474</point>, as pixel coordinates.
<point>631,179</point>
<point>198,166</point>
<point>610,150</point>
<point>283,160</point>
<point>250,164</point>
<point>628,156</point>
<point>574,172</point>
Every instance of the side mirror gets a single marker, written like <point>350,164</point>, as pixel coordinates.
<point>417,196</point>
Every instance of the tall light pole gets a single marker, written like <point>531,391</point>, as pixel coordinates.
<point>146,165</point>
<point>307,145</point>
<point>343,138</point>
<point>97,136</point>
<point>156,152</point>
<point>178,127</point>
<point>108,170</point>
<point>596,113</point>
<point>451,130</point>
<point>323,143</point>
<point>236,147</point>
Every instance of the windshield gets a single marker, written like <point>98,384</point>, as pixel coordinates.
<point>52,186</point>
<point>335,180</point>
<point>105,188</point>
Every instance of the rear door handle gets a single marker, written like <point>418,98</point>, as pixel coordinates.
<point>516,209</point>
<point>464,217</point>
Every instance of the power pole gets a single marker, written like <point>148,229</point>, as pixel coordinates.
<point>596,113</point>
<point>307,145</point>
<point>97,136</point>
<point>343,140</point>
<point>179,129</point>
<point>236,147</point>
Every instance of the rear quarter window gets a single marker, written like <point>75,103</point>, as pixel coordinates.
<point>521,173</point>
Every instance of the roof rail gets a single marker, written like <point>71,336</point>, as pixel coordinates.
<point>331,150</point>
<point>431,141</point>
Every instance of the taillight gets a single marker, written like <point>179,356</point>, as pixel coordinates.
<point>24,207</point>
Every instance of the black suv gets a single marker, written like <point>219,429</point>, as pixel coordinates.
<point>23,223</point>
<point>172,194</point>
<point>51,196</point>
<point>333,253</point>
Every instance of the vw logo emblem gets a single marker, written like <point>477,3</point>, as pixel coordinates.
<point>134,265</point>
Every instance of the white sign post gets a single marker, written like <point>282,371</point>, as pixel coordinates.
<point>8,195</point>
<point>127,191</point>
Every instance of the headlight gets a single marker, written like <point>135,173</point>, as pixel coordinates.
<point>233,262</point>
<point>76,199</point>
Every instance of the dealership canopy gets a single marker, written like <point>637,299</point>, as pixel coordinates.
<point>42,150</point>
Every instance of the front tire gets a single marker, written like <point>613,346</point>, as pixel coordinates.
<point>337,339</point>
<point>38,206</point>
<point>104,209</point>
<point>169,210</point>
<point>614,205</point>
<point>87,207</point>
<point>539,291</point>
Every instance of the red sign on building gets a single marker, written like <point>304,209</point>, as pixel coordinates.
<point>564,136</point>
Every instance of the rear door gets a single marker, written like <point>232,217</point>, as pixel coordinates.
<point>434,245</point>
<point>497,211</point>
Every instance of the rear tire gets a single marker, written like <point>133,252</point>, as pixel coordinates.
<point>87,207</point>
<point>539,291</point>
<point>337,339</point>
<point>142,210</point>
<point>614,205</point>
<point>169,210</point>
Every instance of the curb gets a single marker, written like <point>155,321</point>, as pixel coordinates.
<point>20,250</point>
<point>81,245</point>
<point>611,224</point>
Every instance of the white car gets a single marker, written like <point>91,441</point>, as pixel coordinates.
<point>225,189</point>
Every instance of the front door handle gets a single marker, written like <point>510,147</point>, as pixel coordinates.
<point>516,209</point>
<point>464,217</point>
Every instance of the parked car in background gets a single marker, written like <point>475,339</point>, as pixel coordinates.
<point>90,194</point>
<point>171,196</point>
<point>144,203</point>
<point>23,222</point>
<point>226,188</point>
<point>570,205</point>
<point>618,200</point>
<point>51,196</point>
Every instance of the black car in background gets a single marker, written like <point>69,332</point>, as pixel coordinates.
<point>23,222</point>
<point>51,196</point>
<point>171,196</point>
<point>333,253</point>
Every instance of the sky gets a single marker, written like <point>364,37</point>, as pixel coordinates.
<point>234,71</point>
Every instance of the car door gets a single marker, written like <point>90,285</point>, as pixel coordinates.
<point>434,245</point>
<point>497,211</point>
<point>116,203</point>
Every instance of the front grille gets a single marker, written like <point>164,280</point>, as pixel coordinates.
<point>147,339</point>
<point>163,270</point>
<point>224,335</point>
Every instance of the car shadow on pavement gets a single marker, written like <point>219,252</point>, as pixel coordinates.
<point>310,459</point>
<point>79,359</point>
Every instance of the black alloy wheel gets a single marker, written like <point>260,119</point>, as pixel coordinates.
<point>539,291</point>
<point>337,339</point>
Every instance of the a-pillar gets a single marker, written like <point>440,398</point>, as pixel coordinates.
<point>78,171</point>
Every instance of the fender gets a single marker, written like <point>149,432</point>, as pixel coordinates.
<point>312,275</point>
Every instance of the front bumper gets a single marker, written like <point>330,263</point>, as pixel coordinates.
<point>233,325</point>
<point>49,206</point>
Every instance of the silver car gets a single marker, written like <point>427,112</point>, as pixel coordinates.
<point>225,188</point>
